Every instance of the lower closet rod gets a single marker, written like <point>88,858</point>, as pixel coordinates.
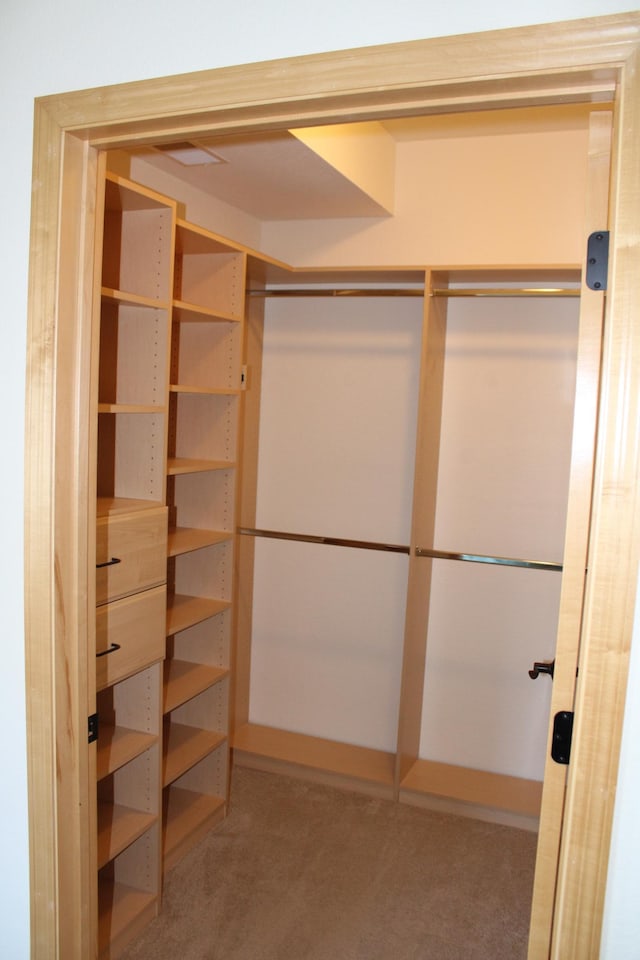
<point>398,548</point>
<point>330,541</point>
<point>485,558</point>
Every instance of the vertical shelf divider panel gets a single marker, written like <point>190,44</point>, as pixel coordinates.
<point>422,531</point>
<point>513,800</point>
<point>132,415</point>
<point>247,495</point>
<point>204,414</point>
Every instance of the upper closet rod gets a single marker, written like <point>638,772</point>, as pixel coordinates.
<point>338,292</point>
<point>413,292</point>
<point>398,548</point>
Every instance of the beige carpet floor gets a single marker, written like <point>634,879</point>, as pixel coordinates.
<point>305,872</point>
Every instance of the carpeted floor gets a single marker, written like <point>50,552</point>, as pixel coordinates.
<point>304,872</point>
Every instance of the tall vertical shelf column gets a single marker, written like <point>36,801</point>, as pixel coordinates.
<point>131,541</point>
<point>206,364</point>
<point>481,494</point>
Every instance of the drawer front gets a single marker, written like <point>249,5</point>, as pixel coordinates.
<point>131,553</point>
<point>130,634</point>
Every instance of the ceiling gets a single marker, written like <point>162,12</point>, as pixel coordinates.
<point>274,176</point>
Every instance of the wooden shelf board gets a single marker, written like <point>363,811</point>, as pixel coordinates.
<point>119,826</point>
<point>178,465</point>
<point>184,611</point>
<point>188,817</point>
<point>118,745</point>
<point>131,408</point>
<point>122,913</point>
<point>133,299</point>
<point>184,680</point>
<point>124,194</point>
<point>478,787</point>
<point>329,756</point>
<point>205,391</point>
<point>115,506</point>
<point>183,747</point>
<point>193,313</point>
<point>191,238</point>
<point>185,539</point>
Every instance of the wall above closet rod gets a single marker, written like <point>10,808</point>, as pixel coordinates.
<point>506,292</point>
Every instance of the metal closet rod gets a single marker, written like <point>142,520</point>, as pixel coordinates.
<point>401,548</point>
<point>329,541</point>
<point>485,558</point>
<point>413,292</point>
<point>339,292</point>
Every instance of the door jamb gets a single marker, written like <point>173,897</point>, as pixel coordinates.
<point>581,60</point>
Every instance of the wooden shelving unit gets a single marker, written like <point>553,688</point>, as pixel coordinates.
<point>204,399</point>
<point>169,392</point>
<point>131,543</point>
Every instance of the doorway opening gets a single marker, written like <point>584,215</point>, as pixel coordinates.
<point>77,173</point>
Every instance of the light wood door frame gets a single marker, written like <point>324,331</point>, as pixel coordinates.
<point>587,60</point>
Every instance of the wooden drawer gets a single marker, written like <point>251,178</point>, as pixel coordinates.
<point>138,542</point>
<point>133,631</point>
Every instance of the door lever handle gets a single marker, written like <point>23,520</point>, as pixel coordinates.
<point>546,666</point>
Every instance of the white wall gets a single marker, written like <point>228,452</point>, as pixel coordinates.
<point>47,48</point>
<point>519,195</point>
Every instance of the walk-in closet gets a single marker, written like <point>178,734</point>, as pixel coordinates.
<point>345,400</point>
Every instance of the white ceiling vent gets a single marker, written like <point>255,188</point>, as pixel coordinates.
<point>189,154</point>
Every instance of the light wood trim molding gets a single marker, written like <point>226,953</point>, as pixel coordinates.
<point>442,73</point>
<point>576,541</point>
<point>584,60</point>
<point>614,559</point>
<point>59,595</point>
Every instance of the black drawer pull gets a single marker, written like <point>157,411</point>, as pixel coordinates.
<point>111,649</point>
<point>108,563</point>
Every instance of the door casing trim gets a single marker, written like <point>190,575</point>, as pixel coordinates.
<point>587,60</point>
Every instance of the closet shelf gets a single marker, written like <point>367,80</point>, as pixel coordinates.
<point>131,408</point>
<point>133,299</point>
<point>184,746</point>
<point>118,827</point>
<point>271,748</point>
<point>212,391</point>
<point>113,506</point>
<point>118,745</point>
<point>187,817</point>
<point>122,912</point>
<point>478,787</point>
<point>184,680</point>
<point>184,611</point>
<point>180,465</point>
<point>192,313</point>
<point>185,539</point>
